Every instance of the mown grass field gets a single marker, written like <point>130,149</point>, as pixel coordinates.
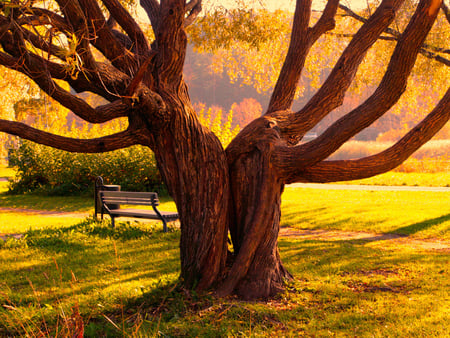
<point>71,273</point>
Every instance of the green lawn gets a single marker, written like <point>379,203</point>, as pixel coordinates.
<point>68,273</point>
<point>416,213</point>
<point>440,179</point>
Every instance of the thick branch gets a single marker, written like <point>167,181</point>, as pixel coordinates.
<point>302,38</point>
<point>332,92</point>
<point>333,171</point>
<point>427,50</point>
<point>98,145</point>
<point>126,21</point>
<point>74,15</point>
<point>299,46</point>
<point>391,88</point>
<point>193,9</point>
<point>152,9</point>
<point>172,41</point>
<point>104,40</point>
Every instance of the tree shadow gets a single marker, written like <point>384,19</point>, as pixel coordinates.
<point>417,227</point>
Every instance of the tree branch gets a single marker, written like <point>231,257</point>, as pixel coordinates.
<point>152,9</point>
<point>36,69</point>
<point>385,96</point>
<point>105,41</point>
<point>193,9</point>
<point>43,16</point>
<point>334,171</point>
<point>126,21</point>
<point>427,50</point>
<point>172,41</point>
<point>299,46</point>
<point>446,11</point>
<point>331,93</point>
<point>74,15</point>
<point>97,145</point>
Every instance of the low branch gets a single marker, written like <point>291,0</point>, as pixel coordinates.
<point>334,171</point>
<point>97,145</point>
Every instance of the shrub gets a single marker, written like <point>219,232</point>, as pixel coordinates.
<point>55,172</point>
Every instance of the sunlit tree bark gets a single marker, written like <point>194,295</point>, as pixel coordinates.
<point>216,190</point>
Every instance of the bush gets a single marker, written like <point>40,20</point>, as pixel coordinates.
<point>55,172</point>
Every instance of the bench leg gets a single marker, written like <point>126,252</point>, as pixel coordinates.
<point>112,222</point>
<point>164,224</point>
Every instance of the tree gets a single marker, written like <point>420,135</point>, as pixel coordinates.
<point>216,190</point>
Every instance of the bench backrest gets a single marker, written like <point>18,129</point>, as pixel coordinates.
<point>129,197</point>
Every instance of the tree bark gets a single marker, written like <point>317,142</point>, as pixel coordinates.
<point>256,188</point>
<point>193,164</point>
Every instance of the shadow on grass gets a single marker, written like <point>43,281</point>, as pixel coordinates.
<point>420,226</point>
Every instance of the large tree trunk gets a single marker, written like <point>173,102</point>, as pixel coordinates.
<point>257,271</point>
<point>193,164</point>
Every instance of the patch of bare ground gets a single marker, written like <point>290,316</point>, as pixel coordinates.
<point>388,240</point>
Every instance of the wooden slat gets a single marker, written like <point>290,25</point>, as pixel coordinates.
<point>127,197</point>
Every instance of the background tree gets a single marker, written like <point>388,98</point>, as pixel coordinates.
<point>238,189</point>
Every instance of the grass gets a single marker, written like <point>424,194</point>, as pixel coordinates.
<point>123,282</point>
<point>69,274</point>
<point>441,179</point>
<point>416,213</point>
<point>6,172</point>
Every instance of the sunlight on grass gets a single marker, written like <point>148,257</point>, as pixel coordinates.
<point>7,172</point>
<point>421,214</point>
<point>441,179</point>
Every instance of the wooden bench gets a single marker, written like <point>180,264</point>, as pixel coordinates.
<point>112,200</point>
